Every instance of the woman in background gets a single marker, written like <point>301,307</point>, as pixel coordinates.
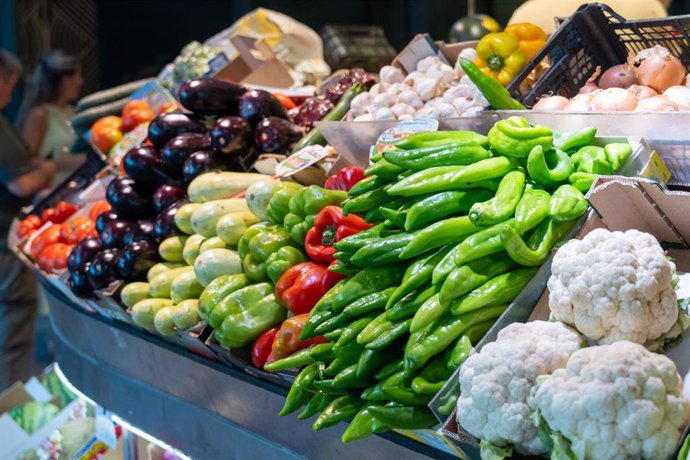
<point>45,116</point>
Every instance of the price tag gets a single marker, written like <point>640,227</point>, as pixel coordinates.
<point>404,129</point>
<point>105,431</point>
<point>303,159</point>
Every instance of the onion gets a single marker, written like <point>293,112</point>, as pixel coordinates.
<point>618,76</point>
<point>590,86</point>
<point>613,100</point>
<point>656,104</point>
<point>580,103</point>
<point>551,104</point>
<point>680,95</point>
<point>660,73</point>
<point>642,92</point>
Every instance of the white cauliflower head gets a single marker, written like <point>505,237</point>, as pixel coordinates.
<point>495,384</point>
<point>614,286</point>
<point>617,401</point>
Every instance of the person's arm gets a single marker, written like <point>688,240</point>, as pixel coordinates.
<point>35,128</point>
<point>33,181</point>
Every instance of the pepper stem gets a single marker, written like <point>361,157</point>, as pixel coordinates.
<point>328,235</point>
<point>495,62</point>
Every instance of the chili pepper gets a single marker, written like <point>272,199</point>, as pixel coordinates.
<point>322,352</point>
<point>286,341</point>
<point>617,154</point>
<point>439,234</point>
<point>385,169</point>
<point>367,184</point>
<point>352,330</point>
<point>299,392</point>
<point>345,179</point>
<point>497,291</point>
<point>539,170</point>
<point>465,278</point>
<point>383,250</point>
<point>503,204</point>
<point>349,353</point>
<point>374,216</point>
<point>499,56</point>
<point>532,208</point>
<point>417,337</point>
<point>397,389</point>
<point>515,137</point>
<point>443,204</point>
<point>347,378</point>
<point>330,225</point>
<point>374,329</point>
<point>427,181</point>
<point>417,273</point>
<point>457,354</point>
<point>281,260</point>
<point>491,168</point>
<point>593,160</point>
<point>314,321</point>
<point>445,331</point>
<point>302,285</point>
<point>537,249</point>
<point>447,264</point>
<point>404,417</point>
<point>327,299</point>
<point>429,312</point>
<point>582,181</point>
<point>433,138</point>
<point>333,369</point>
<point>301,358</point>
<point>279,204</point>
<point>432,378</point>
<point>370,361</point>
<point>389,369</point>
<point>391,335</point>
<point>375,157</point>
<point>333,336</point>
<point>447,401</point>
<point>316,404</point>
<point>567,203</point>
<point>366,201</point>
<point>368,280</point>
<point>374,393</point>
<point>495,93</point>
<point>363,425</point>
<point>341,256</point>
<point>481,244</point>
<point>368,303</point>
<point>531,38</point>
<point>338,411</point>
<point>394,216</point>
<point>343,268</point>
<point>409,305</point>
<point>428,157</point>
<point>569,142</point>
<point>304,206</point>
<point>261,349</point>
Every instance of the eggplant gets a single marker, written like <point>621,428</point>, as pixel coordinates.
<point>232,135</point>
<point>275,135</point>
<point>139,231</point>
<point>83,252</point>
<point>126,201</point>
<point>211,96</point>
<point>167,194</point>
<point>103,268</point>
<point>105,217</point>
<point>145,166</point>
<point>79,283</point>
<point>257,104</point>
<point>201,162</point>
<point>164,225</point>
<point>113,234</point>
<point>171,124</point>
<point>178,149</point>
<point>135,260</point>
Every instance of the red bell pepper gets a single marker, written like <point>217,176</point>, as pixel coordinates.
<point>287,341</point>
<point>345,178</point>
<point>261,349</point>
<point>331,225</point>
<point>302,285</point>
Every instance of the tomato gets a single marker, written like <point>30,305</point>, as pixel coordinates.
<point>111,121</point>
<point>48,236</point>
<point>136,117</point>
<point>136,104</point>
<point>63,210</point>
<point>105,138</point>
<point>29,225</point>
<point>98,208</point>
<point>286,101</point>
<point>167,107</point>
<point>76,229</point>
<point>49,215</point>
<point>54,257</point>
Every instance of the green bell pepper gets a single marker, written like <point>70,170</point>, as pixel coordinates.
<point>259,244</point>
<point>279,262</point>
<point>305,205</point>
<point>567,203</point>
<point>593,160</point>
<point>515,137</point>
<point>582,181</point>
<point>279,204</point>
<point>617,154</point>
<point>219,288</point>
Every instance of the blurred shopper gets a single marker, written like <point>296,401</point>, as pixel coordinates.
<point>543,12</point>
<point>22,175</point>
<point>45,116</point>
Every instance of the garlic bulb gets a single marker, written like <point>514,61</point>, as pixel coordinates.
<point>428,88</point>
<point>360,103</point>
<point>427,63</point>
<point>435,102</point>
<point>480,100</point>
<point>384,113</point>
<point>397,88</point>
<point>406,116</point>
<point>410,98</point>
<point>378,88</point>
<point>444,110</point>
<point>364,117</point>
<point>382,100</point>
<point>402,109</point>
<point>463,104</point>
<point>413,77</point>
<point>424,112</point>
<point>390,74</point>
<point>472,112</point>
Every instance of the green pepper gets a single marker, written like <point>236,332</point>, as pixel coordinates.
<point>439,234</point>
<point>532,208</point>
<point>366,201</point>
<point>344,268</point>
<point>370,361</point>
<point>417,274</point>
<point>279,204</point>
<point>326,301</point>
<point>569,142</point>
<point>515,137</point>
<point>389,369</point>
<point>368,280</point>
<point>549,168</point>
<point>299,392</point>
<point>444,204</point>
<point>389,336</point>
<point>404,417</point>
<point>374,393</point>
<point>363,424</point>
<point>410,304</point>
<point>353,329</point>
<point>491,168</point>
<point>495,93</point>
<point>383,251</point>
<point>617,154</point>
<point>333,336</point>
<point>251,232</point>
<point>462,349</point>
<point>536,251</point>
<point>582,181</point>
<point>435,138</point>
<point>432,378</point>
<point>385,169</point>
<point>397,389</point>
<point>354,242</point>
<point>593,160</point>
<point>316,404</point>
<point>441,178</point>
<point>368,303</point>
<point>219,288</point>
<point>258,245</point>
<point>501,206</point>
<point>349,353</point>
<point>322,351</point>
<point>497,291</point>
<point>429,157</point>
<point>304,357</point>
<point>304,206</point>
<point>374,216</point>
<point>470,276</point>
<point>338,411</point>
<point>367,185</point>
<point>374,329</point>
<point>481,244</point>
<point>567,203</point>
<point>279,262</point>
<point>348,378</point>
<point>394,216</point>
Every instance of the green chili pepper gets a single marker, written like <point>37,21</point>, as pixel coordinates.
<point>366,201</point>
<point>368,280</point>
<point>549,168</point>
<point>515,137</point>
<point>439,234</point>
<point>537,249</point>
<point>367,185</point>
<point>348,378</point>
<point>338,411</point>
<point>408,306</point>
<point>383,251</point>
<point>299,392</point>
<point>301,358</point>
<point>429,157</point>
<point>352,330</point>
<point>353,242</point>
<point>569,142</point>
<point>436,207</point>
<point>389,369</point>
<point>567,203</point>
<point>325,302</point>
<point>374,329</point>
<point>385,169</point>
<point>532,208</point>
<point>389,336</point>
<point>434,138</point>
<point>582,181</point>
<point>495,93</point>
<point>314,321</point>
<point>322,352</point>
<point>497,291</point>
<point>374,393</point>
<point>333,336</point>
<point>316,404</point>
<point>404,417</point>
<point>457,355</point>
<point>441,178</point>
<point>394,216</point>
<point>368,303</point>
<point>447,264</point>
<point>417,274</point>
<point>344,268</point>
<point>429,312</point>
<point>617,154</point>
<point>374,216</point>
<point>501,206</point>
<point>363,424</point>
<point>432,378</point>
<point>481,244</point>
<point>328,385</point>
<point>417,337</point>
<point>491,168</point>
<point>593,160</point>
<point>370,361</point>
<point>349,353</point>
<point>464,279</point>
<point>376,157</point>
<point>397,389</point>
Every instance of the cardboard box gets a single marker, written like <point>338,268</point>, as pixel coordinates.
<point>256,64</point>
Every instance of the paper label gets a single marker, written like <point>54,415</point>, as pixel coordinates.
<point>105,431</point>
<point>306,157</point>
<point>404,129</point>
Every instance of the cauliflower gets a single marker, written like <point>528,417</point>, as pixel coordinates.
<point>617,401</point>
<point>495,384</point>
<point>614,286</point>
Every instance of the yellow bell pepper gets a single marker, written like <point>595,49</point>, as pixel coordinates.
<point>531,37</point>
<point>499,56</point>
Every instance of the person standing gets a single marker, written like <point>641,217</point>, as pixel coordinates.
<point>22,175</point>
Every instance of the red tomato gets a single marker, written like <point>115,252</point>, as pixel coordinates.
<point>49,215</point>
<point>76,229</point>
<point>98,208</point>
<point>53,257</point>
<point>167,107</point>
<point>111,121</point>
<point>64,209</point>
<point>47,237</point>
<point>105,138</point>
<point>29,225</point>
<point>286,101</point>
<point>136,104</point>
<point>136,117</point>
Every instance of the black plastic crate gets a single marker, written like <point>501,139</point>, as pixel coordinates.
<point>595,35</point>
<point>348,46</point>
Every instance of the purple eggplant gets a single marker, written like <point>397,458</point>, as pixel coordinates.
<point>313,109</point>
<point>79,283</point>
<point>135,260</point>
<point>83,252</point>
<point>126,201</point>
<point>232,135</point>
<point>113,234</point>
<point>164,225</point>
<point>167,194</point>
<point>145,166</point>
<point>139,230</point>
<point>257,104</point>
<point>201,162</point>
<point>178,149</point>
<point>171,124</point>
<point>211,96</point>
<point>103,268</point>
<point>105,217</point>
<point>275,135</point>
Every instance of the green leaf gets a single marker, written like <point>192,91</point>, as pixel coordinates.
<point>684,451</point>
<point>556,444</point>
<point>488,451</point>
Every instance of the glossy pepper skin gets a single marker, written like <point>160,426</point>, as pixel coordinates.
<point>300,392</point>
<point>443,204</point>
<point>303,285</point>
<point>532,208</point>
<point>497,291</point>
<point>537,249</point>
<point>304,207</point>
<point>286,340</point>
<point>345,179</point>
<point>570,142</point>
<point>428,157</point>
<point>367,184</point>
<point>592,159</point>
<point>330,226</point>
<point>442,178</point>
<point>212,295</point>
<point>499,56</point>
<point>384,169</point>
<point>382,251</point>
<point>515,137</point>
<point>339,410</point>
<point>418,273</point>
<point>531,38</point>
<point>495,93</point>
<point>368,280</point>
<point>256,247</point>
<point>549,176</point>
<point>467,277</point>
<point>582,181</point>
<point>617,154</point>
<point>367,201</point>
<point>503,204</point>
<point>440,138</point>
<point>439,234</point>
<point>281,260</point>
<point>567,203</point>
<point>404,417</point>
<point>279,204</point>
<point>363,424</point>
<point>261,350</point>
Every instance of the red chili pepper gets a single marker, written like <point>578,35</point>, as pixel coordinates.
<point>302,285</point>
<point>345,178</point>
<point>287,341</point>
<point>331,225</point>
<point>262,347</point>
